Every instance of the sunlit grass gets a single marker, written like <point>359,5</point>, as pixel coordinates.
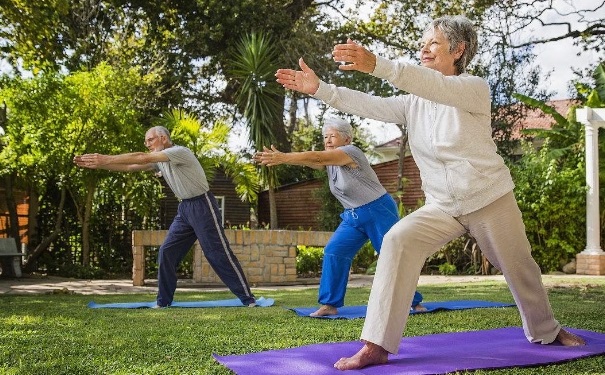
<point>59,334</point>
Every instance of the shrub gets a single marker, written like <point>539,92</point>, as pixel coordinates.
<point>447,269</point>
<point>462,254</point>
<point>552,197</point>
<point>364,259</point>
<point>308,260</point>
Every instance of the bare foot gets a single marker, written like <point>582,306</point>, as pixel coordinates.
<point>569,339</point>
<point>419,308</point>
<point>325,310</point>
<point>370,354</point>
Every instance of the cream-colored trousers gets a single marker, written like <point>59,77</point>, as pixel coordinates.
<point>500,233</point>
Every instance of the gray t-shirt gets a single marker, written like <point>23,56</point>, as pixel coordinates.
<point>354,187</point>
<point>183,173</point>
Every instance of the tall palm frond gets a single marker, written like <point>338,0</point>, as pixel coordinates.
<point>259,98</point>
<point>253,66</point>
<point>184,127</point>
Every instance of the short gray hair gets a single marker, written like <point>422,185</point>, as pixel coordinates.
<point>160,130</point>
<point>340,125</point>
<point>458,29</point>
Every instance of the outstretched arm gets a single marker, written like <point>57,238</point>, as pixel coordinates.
<point>313,159</point>
<point>354,57</point>
<point>130,162</point>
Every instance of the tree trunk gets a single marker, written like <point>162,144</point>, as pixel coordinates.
<point>403,141</point>
<point>278,130</point>
<point>272,208</point>
<point>45,243</point>
<point>292,114</point>
<point>86,226</point>
<point>33,226</point>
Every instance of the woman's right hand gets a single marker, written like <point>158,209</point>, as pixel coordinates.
<point>354,56</point>
<point>304,80</point>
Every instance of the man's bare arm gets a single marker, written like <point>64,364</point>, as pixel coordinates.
<point>130,162</point>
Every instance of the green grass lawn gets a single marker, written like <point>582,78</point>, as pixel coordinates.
<point>58,334</point>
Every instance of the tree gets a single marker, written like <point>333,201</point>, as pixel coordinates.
<point>257,97</point>
<point>33,117</point>
<point>582,22</point>
<point>189,40</point>
<point>52,118</point>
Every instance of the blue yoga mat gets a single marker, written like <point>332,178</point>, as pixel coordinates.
<point>442,353</point>
<point>235,302</point>
<point>356,312</point>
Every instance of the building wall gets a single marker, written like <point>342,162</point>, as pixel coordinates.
<point>297,206</point>
<point>237,213</point>
<point>412,186</point>
<point>22,213</point>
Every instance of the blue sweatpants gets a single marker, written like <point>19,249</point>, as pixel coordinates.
<point>199,218</point>
<point>370,221</point>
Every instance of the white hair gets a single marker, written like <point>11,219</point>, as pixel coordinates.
<point>340,125</point>
<point>458,29</point>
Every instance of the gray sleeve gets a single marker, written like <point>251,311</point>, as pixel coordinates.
<point>357,155</point>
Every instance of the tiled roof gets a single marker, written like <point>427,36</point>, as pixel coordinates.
<point>536,119</point>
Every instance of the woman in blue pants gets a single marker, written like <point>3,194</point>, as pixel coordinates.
<point>369,211</point>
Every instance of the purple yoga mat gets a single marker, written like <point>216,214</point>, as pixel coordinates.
<point>430,354</point>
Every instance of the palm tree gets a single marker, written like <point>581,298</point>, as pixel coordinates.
<point>260,99</point>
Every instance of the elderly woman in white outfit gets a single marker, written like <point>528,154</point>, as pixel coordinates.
<point>468,187</point>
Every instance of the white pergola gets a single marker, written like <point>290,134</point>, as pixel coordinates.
<point>592,119</point>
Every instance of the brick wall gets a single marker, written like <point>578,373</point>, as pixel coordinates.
<point>590,264</point>
<point>268,257</point>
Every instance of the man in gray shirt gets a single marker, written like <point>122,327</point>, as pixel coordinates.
<point>198,215</point>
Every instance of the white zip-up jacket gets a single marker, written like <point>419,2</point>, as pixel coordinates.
<point>449,128</point>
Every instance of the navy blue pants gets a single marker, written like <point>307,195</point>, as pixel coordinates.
<point>199,218</point>
<point>370,221</point>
